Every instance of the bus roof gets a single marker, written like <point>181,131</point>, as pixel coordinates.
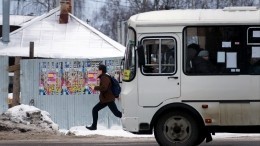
<point>227,16</point>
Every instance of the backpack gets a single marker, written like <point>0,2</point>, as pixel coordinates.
<point>116,89</point>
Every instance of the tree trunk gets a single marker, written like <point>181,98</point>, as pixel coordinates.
<point>16,84</point>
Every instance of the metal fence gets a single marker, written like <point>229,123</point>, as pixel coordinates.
<point>61,87</point>
<point>4,82</point>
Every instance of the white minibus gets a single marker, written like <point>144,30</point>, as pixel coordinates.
<point>188,74</point>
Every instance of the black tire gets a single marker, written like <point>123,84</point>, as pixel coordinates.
<point>200,139</point>
<point>177,129</point>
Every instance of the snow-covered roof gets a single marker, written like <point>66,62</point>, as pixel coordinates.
<point>76,39</point>
<point>17,20</point>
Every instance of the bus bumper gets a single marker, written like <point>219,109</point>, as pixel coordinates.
<point>130,124</point>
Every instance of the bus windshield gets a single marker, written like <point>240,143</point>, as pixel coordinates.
<point>129,64</point>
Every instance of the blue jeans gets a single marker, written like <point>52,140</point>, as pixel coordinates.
<point>99,106</point>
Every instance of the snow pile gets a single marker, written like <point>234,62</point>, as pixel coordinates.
<point>27,118</point>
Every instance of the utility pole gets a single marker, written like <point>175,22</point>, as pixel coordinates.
<point>119,31</point>
<point>144,5</point>
<point>6,21</point>
<point>123,33</point>
<point>193,4</point>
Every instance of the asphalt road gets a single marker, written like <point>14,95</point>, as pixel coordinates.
<point>230,141</point>
<point>82,144</point>
<point>235,141</point>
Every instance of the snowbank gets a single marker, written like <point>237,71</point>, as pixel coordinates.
<point>27,118</point>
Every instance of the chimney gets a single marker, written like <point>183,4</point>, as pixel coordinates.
<point>65,9</point>
<point>6,21</point>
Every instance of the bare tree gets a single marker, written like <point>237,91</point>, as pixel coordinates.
<point>108,16</point>
<point>106,19</point>
<point>79,9</point>
<point>33,7</point>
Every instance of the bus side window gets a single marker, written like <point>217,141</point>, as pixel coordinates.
<point>229,52</point>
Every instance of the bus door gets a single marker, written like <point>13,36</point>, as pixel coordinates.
<point>159,77</point>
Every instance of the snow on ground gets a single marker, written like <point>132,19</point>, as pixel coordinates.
<point>25,116</point>
<point>115,131</point>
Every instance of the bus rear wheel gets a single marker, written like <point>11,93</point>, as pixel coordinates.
<point>176,129</point>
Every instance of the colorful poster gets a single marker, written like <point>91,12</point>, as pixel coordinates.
<point>92,80</point>
<point>51,78</point>
<point>70,77</point>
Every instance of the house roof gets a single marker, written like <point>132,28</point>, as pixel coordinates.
<point>17,20</point>
<point>76,39</point>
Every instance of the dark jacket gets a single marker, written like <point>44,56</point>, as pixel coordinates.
<point>106,94</point>
<point>203,66</point>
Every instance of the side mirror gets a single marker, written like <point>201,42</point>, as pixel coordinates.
<point>140,53</point>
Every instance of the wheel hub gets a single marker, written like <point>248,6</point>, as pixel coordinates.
<point>177,129</point>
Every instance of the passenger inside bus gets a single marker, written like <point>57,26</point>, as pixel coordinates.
<point>192,52</point>
<point>201,63</point>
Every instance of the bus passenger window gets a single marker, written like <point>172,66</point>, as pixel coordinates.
<point>226,47</point>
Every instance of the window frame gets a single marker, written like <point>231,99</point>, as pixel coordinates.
<point>160,38</point>
<point>246,43</point>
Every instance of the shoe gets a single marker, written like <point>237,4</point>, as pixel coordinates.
<point>91,128</point>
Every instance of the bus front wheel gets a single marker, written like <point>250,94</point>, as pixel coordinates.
<point>176,129</point>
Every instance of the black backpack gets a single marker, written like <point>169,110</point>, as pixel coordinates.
<point>116,89</point>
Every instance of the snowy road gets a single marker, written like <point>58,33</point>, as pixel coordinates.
<point>224,140</point>
<point>228,139</point>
